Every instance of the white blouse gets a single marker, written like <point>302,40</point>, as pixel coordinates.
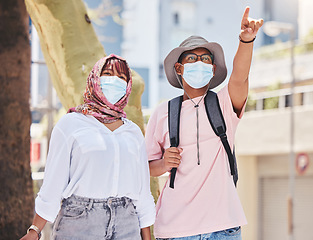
<point>87,159</point>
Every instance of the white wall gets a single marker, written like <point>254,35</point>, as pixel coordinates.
<point>268,132</point>
<point>305,17</point>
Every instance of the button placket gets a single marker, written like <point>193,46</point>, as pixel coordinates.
<point>116,165</point>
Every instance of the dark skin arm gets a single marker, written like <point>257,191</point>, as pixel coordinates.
<point>238,82</point>
<point>171,159</point>
<point>38,222</point>
<point>145,233</point>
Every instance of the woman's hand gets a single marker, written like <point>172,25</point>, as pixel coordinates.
<point>31,235</point>
<point>39,222</point>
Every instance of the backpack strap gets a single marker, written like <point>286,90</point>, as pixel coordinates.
<point>174,107</point>
<point>217,122</point>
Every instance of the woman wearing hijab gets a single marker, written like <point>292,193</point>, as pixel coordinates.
<point>96,183</point>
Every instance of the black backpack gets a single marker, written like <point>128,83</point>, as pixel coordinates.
<point>216,120</point>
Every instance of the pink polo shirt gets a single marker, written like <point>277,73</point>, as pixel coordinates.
<point>204,199</point>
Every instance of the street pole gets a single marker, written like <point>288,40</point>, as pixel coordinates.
<point>292,151</point>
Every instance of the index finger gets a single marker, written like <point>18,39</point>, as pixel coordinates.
<point>246,14</point>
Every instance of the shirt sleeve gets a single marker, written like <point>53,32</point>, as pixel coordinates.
<point>227,106</point>
<point>56,178</point>
<point>156,131</point>
<point>145,205</point>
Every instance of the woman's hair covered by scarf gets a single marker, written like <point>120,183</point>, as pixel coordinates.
<point>95,103</point>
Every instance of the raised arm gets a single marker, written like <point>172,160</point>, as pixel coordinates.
<point>238,82</point>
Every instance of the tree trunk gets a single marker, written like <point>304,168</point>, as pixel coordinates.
<point>16,193</point>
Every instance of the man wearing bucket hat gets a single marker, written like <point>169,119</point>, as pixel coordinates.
<point>204,203</point>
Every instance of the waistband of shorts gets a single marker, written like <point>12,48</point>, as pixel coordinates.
<point>85,201</point>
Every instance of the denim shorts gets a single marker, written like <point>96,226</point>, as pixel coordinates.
<point>84,218</point>
<point>229,234</point>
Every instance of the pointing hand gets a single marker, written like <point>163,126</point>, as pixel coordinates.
<point>249,26</point>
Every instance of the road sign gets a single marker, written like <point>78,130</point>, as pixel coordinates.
<point>302,162</point>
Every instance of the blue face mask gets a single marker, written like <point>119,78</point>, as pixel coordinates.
<point>198,74</point>
<point>113,88</point>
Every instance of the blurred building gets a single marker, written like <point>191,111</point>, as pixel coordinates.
<point>264,134</point>
<point>263,147</point>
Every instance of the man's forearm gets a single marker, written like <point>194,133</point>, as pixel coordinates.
<point>242,62</point>
<point>157,168</point>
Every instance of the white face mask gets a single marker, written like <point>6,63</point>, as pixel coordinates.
<point>197,74</point>
<point>113,88</point>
